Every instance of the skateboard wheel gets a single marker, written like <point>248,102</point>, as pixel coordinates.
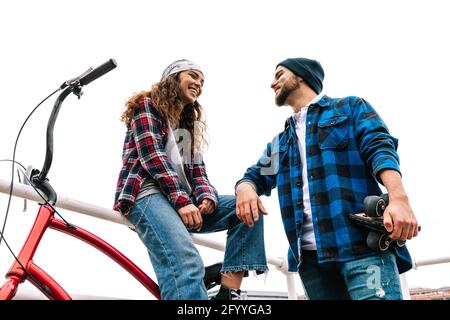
<point>378,242</point>
<point>400,243</point>
<point>374,206</point>
<point>385,197</point>
<point>384,242</point>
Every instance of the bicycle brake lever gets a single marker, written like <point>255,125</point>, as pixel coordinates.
<point>20,181</point>
<point>73,80</point>
<point>26,181</point>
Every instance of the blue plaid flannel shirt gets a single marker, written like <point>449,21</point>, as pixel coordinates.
<point>347,145</point>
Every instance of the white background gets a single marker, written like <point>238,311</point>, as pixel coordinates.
<point>393,53</point>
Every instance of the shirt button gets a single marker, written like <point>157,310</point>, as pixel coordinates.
<point>311,177</point>
<point>300,203</point>
<point>299,183</point>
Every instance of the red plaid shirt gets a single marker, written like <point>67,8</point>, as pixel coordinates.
<point>144,156</point>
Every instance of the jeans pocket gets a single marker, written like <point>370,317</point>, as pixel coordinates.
<point>138,211</point>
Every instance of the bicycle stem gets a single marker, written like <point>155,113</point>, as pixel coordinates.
<point>50,127</point>
<point>41,181</point>
<point>71,86</point>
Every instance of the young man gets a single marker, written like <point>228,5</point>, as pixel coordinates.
<point>332,153</point>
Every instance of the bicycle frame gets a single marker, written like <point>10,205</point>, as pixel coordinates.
<point>43,281</point>
<point>27,269</point>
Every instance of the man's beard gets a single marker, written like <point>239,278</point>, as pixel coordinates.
<point>289,86</point>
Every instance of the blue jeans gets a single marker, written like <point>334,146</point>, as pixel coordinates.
<point>369,278</point>
<point>177,263</point>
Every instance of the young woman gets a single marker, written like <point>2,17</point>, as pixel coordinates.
<point>164,191</point>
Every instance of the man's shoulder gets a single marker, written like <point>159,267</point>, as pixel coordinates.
<point>349,100</point>
<point>346,105</point>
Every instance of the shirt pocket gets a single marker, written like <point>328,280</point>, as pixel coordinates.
<point>283,159</point>
<point>333,132</point>
<point>279,162</point>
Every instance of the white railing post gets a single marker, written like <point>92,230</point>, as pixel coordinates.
<point>405,287</point>
<point>282,265</point>
<point>290,281</point>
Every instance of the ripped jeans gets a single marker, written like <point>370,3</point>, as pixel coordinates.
<point>175,259</point>
<point>369,278</point>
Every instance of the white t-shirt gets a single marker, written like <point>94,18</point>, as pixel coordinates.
<point>150,186</point>
<point>308,241</point>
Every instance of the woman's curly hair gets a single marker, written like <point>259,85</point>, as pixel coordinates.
<point>166,97</point>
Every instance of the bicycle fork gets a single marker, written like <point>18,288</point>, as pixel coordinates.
<point>38,277</point>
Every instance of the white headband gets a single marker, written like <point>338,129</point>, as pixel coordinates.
<point>178,66</point>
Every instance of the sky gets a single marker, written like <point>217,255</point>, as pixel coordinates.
<point>391,53</point>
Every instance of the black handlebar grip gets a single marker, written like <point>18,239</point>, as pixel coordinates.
<point>98,72</point>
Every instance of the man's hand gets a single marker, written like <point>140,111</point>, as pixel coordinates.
<point>207,206</point>
<point>248,203</point>
<point>191,217</point>
<point>400,219</point>
<point>398,215</point>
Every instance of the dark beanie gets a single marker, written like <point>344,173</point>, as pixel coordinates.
<point>309,70</point>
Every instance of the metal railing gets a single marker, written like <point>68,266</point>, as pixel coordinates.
<point>63,202</point>
<point>27,192</point>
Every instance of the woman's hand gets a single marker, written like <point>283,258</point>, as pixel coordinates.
<point>191,217</point>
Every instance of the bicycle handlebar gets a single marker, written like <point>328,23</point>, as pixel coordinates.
<point>98,72</point>
<point>40,178</point>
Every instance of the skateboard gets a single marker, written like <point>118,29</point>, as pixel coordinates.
<point>372,218</point>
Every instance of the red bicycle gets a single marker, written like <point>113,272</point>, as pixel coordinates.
<point>24,267</point>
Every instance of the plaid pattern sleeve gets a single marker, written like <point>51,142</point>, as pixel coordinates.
<point>263,174</point>
<point>376,145</point>
<point>147,128</point>
<point>202,188</point>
